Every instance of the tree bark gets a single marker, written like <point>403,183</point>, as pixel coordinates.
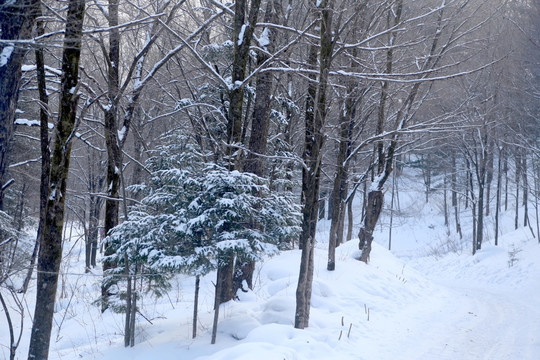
<point>525,190</point>
<point>260,123</point>
<point>45,150</point>
<point>454,195</point>
<point>536,169</point>
<point>385,159</point>
<point>489,177</point>
<point>112,141</point>
<point>373,211</point>
<point>17,20</point>
<point>518,178</point>
<point>217,303</point>
<point>95,185</point>
<point>315,117</point>
<point>242,37</point>
<point>225,279</point>
<point>498,200</point>
<point>350,216</point>
<point>50,253</point>
<point>340,188</point>
<point>129,295</point>
<point>196,306</point>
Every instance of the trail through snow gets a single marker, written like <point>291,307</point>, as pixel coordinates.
<point>472,323</point>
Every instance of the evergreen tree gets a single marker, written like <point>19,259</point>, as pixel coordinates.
<point>194,216</point>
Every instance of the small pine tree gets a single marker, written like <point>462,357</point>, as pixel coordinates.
<point>193,215</point>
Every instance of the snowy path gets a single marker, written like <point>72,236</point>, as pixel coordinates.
<point>470,323</point>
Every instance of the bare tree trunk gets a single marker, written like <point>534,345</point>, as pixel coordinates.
<point>45,151</point>
<point>196,305</point>
<point>95,185</point>
<point>311,174</point>
<point>505,156</point>
<point>17,20</point>
<point>129,295</point>
<point>445,197</point>
<point>350,219</point>
<point>364,200</point>
<point>217,303</point>
<point>489,176</point>
<point>498,200</point>
<point>50,253</point>
<point>473,204</point>
<point>392,209</point>
<point>373,211</point>
<point>254,162</point>
<point>525,190</point>
<point>518,178</point>
<point>114,152</point>
<point>482,175</point>
<point>537,195</point>
<point>242,38</point>
<point>426,171</point>
<point>467,185</point>
<point>480,220</point>
<point>340,188</point>
<point>225,278</point>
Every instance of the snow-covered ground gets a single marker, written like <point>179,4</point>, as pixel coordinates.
<point>417,301</point>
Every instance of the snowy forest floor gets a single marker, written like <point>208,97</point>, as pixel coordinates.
<point>427,298</point>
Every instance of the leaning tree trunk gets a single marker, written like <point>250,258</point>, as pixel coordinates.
<point>17,20</point>
<point>50,253</point>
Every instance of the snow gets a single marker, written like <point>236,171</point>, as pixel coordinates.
<point>26,68</point>
<point>264,39</point>
<point>6,54</point>
<point>241,34</point>
<point>418,301</point>
<point>27,122</point>
<point>122,133</point>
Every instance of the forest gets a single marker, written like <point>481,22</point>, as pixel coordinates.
<point>198,137</point>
